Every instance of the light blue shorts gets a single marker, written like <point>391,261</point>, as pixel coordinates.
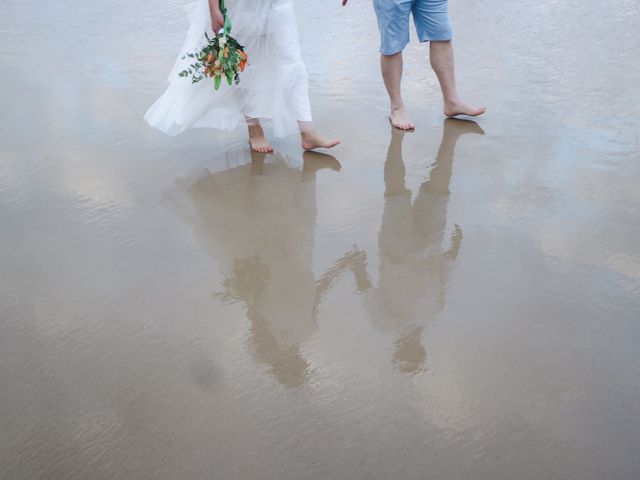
<point>430,16</point>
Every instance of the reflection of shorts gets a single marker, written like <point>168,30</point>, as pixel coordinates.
<point>430,16</point>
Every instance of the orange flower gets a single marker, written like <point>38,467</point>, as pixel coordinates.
<point>225,52</point>
<point>243,62</point>
<point>210,57</point>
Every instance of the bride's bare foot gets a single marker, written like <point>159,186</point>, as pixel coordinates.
<point>313,139</point>
<point>452,109</point>
<point>258,140</point>
<point>400,119</point>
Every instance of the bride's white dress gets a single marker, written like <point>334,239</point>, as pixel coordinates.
<point>273,87</point>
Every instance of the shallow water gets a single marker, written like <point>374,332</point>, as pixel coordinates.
<point>460,302</point>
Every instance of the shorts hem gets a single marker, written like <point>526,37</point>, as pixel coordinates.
<point>425,38</point>
<point>392,51</point>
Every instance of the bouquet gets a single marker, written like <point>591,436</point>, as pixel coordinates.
<point>222,57</point>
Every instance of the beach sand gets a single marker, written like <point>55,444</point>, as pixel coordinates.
<point>461,302</point>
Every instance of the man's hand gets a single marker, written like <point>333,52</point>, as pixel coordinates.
<point>344,2</point>
<point>217,21</point>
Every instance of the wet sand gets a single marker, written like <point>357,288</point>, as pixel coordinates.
<point>459,302</point>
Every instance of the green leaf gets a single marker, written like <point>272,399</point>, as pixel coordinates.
<point>216,82</point>
<point>227,25</point>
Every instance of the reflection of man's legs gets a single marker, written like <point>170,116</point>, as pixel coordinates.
<point>394,169</point>
<point>395,230</point>
<point>395,241</point>
<point>440,176</point>
<point>400,273</point>
<point>430,206</point>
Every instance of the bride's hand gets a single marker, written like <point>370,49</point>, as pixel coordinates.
<point>217,21</point>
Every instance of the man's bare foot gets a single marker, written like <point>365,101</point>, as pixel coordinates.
<point>258,140</point>
<point>452,109</point>
<point>313,139</point>
<point>400,119</point>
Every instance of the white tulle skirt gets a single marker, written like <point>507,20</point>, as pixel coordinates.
<point>273,87</point>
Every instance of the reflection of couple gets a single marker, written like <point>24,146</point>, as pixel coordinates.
<point>274,86</point>
<point>258,221</point>
<point>413,262</point>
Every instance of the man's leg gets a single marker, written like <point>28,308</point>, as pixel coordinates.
<point>441,55</point>
<point>392,66</point>
<point>433,25</point>
<point>393,22</point>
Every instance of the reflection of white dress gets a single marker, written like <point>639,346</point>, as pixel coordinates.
<point>261,229</point>
<point>273,87</point>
